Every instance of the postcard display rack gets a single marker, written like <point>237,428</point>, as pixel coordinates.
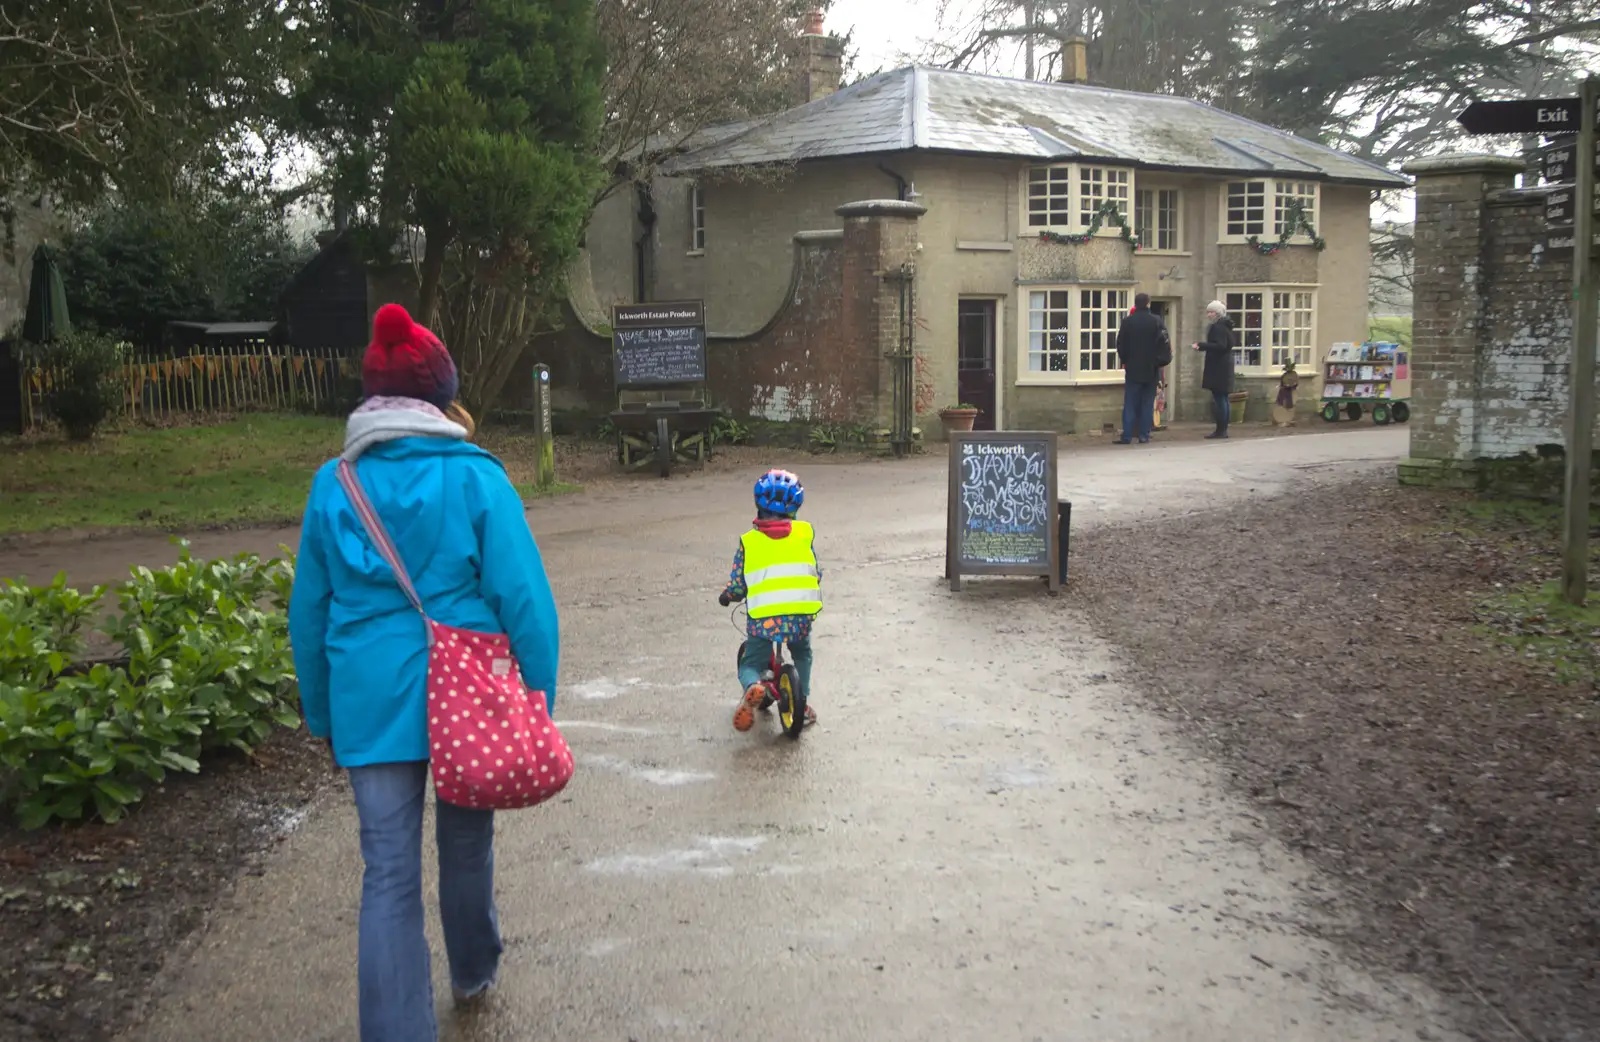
<point>1367,378</point>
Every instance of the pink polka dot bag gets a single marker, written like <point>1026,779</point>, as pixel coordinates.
<point>492,743</point>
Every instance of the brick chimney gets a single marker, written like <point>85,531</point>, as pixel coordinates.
<point>821,61</point>
<point>1075,61</point>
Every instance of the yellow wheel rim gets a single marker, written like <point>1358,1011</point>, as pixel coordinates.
<point>785,701</point>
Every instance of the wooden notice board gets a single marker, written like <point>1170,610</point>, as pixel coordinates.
<point>1003,516</point>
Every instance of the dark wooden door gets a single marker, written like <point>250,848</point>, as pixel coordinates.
<point>975,359</point>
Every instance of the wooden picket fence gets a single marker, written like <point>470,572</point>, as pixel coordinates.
<point>256,379</point>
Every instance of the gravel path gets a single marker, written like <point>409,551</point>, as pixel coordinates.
<point>1333,650</point>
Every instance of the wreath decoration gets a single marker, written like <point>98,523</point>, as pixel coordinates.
<point>1294,221</point>
<point>1106,211</point>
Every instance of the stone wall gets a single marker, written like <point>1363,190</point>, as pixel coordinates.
<point>819,358</point>
<point>1493,328</point>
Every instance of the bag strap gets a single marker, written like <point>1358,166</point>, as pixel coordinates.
<point>380,535</point>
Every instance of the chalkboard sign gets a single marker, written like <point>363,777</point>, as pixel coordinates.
<point>660,356</point>
<point>657,345</point>
<point>1003,513</point>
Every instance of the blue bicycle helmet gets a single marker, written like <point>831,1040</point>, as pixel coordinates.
<point>779,492</point>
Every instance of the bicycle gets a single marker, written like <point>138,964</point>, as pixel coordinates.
<point>781,680</point>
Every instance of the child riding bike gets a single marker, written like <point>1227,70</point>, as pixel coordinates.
<point>776,569</point>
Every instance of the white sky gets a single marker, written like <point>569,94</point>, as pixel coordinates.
<point>886,31</point>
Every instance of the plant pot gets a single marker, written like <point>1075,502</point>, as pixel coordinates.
<point>958,419</point>
<point>1236,405</point>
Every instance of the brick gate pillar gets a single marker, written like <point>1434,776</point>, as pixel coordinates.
<point>880,242</point>
<point>1452,233</point>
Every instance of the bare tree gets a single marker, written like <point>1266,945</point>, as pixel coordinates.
<point>1392,280</point>
<point>128,90</point>
<point>679,67</point>
<point>1189,47</point>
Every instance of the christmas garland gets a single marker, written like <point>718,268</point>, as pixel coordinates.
<point>1295,221</point>
<point>1105,211</point>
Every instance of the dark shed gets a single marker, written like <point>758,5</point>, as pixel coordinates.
<point>220,336</point>
<point>325,306</point>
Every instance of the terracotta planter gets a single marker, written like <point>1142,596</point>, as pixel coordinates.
<point>958,419</point>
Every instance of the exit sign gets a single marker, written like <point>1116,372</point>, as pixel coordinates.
<point>1532,116</point>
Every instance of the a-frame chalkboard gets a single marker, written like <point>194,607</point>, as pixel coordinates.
<point>1003,517</point>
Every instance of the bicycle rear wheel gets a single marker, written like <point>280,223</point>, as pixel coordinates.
<point>791,702</point>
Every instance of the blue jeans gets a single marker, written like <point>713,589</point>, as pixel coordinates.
<point>758,655</point>
<point>1138,410</point>
<point>396,985</point>
<point>1219,402</point>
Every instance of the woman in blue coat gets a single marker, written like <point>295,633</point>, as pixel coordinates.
<point>361,653</point>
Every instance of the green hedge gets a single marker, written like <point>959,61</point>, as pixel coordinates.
<point>204,664</point>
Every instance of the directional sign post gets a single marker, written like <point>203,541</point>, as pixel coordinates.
<point>1557,165</point>
<point>1575,120</point>
<point>1580,436</point>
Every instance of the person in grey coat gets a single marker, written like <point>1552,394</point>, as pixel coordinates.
<point>1217,377</point>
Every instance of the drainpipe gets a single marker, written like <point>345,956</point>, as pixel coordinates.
<point>641,248</point>
<point>905,188</point>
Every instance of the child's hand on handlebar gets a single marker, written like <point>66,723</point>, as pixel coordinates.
<point>723,599</point>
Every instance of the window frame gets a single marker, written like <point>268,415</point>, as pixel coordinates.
<point>1272,208</point>
<point>1062,203</point>
<point>1113,184</point>
<point>1270,327</point>
<point>1156,189</point>
<point>1114,303</point>
<point>1285,189</point>
<point>697,220</point>
<point>1067,184</point>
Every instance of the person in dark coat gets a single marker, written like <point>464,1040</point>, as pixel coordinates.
<point>1144,347</point>
<point>1217,377</point>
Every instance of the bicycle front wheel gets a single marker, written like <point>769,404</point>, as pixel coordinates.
<point>791,702</point>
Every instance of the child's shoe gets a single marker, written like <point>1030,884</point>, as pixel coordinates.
<point>744,717</point>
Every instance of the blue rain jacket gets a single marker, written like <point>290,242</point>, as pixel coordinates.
<point>360,648</point>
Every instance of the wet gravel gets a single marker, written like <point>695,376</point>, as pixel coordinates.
<point>1334,652</point>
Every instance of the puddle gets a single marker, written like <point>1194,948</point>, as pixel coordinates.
<point>709,856</point>
<point>654,775</point>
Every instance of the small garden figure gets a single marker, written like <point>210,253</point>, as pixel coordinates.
<point>1283,408</point>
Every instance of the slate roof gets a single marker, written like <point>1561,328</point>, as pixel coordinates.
<point>941,110</point>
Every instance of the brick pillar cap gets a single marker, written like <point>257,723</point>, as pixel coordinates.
<point>1464,163</point>
<point>881,208</point>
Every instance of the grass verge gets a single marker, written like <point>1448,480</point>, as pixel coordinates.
<point>1530,620</point>
<point>252,470</point>
<point>1545,631</point>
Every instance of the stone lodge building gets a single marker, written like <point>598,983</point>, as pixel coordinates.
<point>802,231</point>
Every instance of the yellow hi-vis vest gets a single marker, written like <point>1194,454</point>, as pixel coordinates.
<point>781,574</point>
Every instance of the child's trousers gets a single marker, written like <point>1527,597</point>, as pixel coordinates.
<point>758,654</point>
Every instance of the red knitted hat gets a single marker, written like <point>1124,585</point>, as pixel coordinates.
<point>406,360</point>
